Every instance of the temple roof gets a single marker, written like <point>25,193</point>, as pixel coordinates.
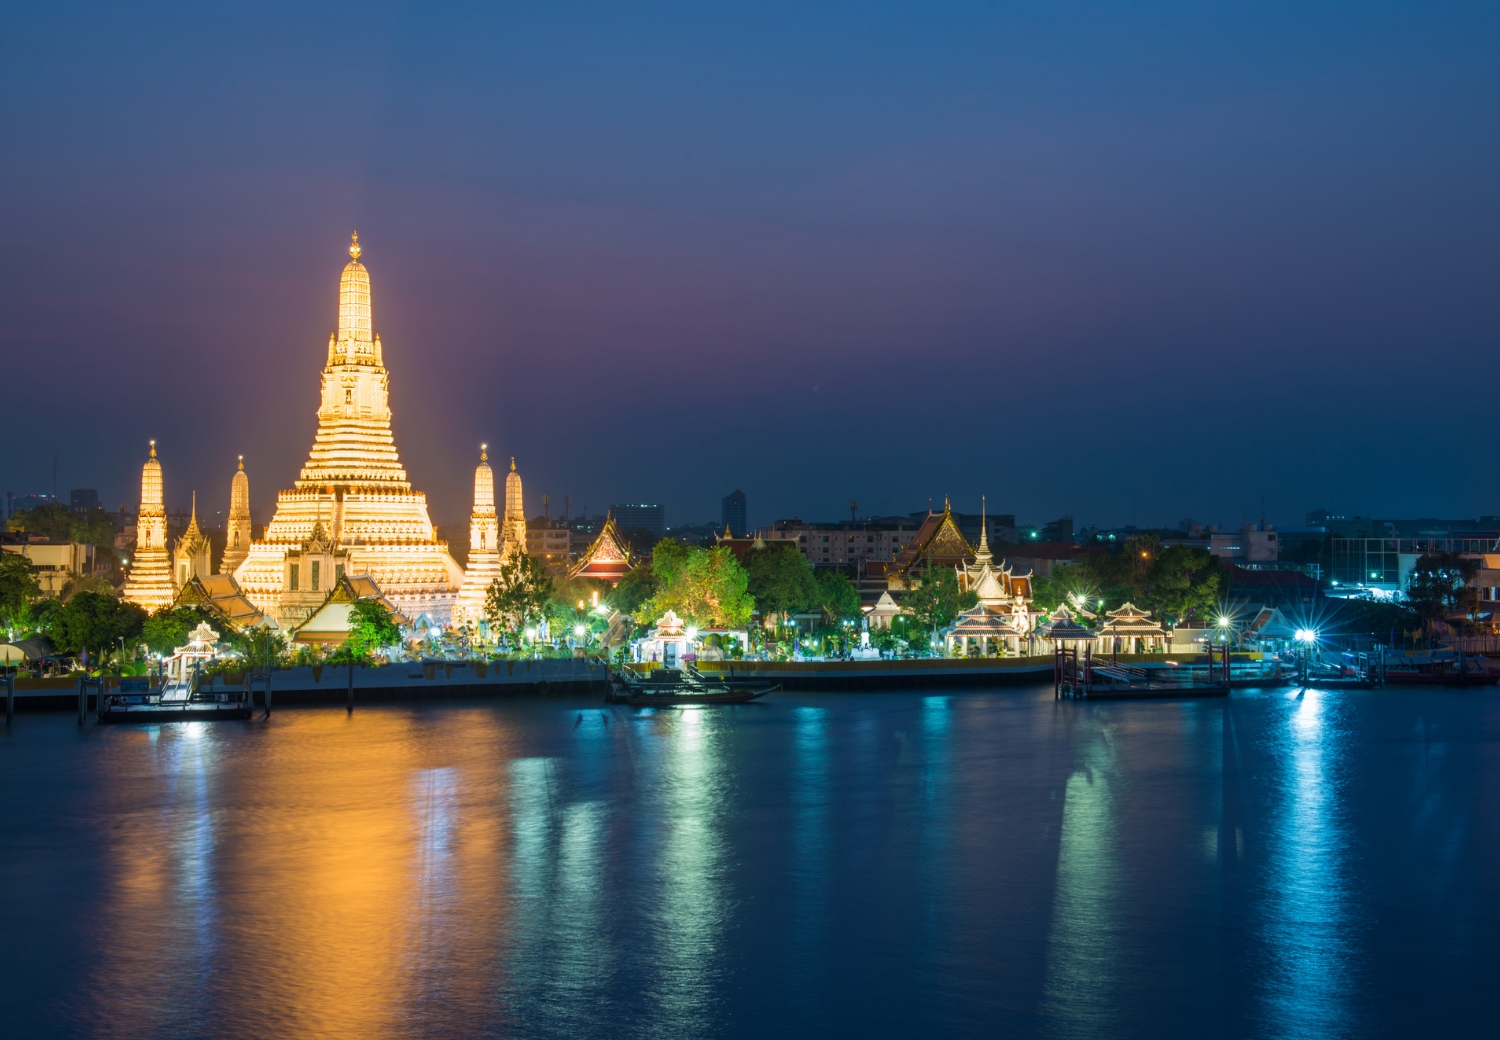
<point>938,540</point>
<point>220,595</point>
<point>329,623</point>
<point>608,558</point>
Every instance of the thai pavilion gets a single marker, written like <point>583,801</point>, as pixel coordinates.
<point>1130,630</point>
<point>1060,632</point>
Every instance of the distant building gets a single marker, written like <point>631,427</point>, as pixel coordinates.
<point>877,540</point>
<point>81,500</point>
<point>1253,543</point>
<point>733,514</point>
<point>640,517</point>
<point>548,540</point>
<point>55,562</point>
<point>1059,530</point>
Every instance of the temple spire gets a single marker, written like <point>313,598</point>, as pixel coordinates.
<point>354,249</point>
<point>983,556</point>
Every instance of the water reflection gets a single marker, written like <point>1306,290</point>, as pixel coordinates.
<point>1083,986</point>
<point>810,848</point>
<point>1307,920</point>
<point>691,917</point>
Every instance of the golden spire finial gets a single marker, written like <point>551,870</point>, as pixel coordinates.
<point>946,507</point>
<point>512,463</point>
<point>242,462</point>
<point>195,505</point>
<point>153,449</point>
<point>484,453</point>
<point>354,249</point>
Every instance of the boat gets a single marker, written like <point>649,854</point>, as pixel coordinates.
<point>1441,667</point>
<point>669,687</point>
<point>136,701</point>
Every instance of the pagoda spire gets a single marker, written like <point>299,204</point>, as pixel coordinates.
<point>983,556</point>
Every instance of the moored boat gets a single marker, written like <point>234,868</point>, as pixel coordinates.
<point>668,687</point>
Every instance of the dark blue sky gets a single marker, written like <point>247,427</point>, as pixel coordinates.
<point>1136,262</point>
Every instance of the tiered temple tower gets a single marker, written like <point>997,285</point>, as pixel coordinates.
<point>484,545</point>
<point>190,554</point>
<point>237,535</point>
<point>149,583</point>
<point>513,537</point>
<point>354,482</point>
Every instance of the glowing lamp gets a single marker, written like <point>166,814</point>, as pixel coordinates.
<point>579,631</point>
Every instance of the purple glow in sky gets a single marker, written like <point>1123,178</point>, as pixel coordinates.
<point>1133,262</point>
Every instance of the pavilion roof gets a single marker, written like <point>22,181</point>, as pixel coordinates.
<point>220,595</point>
<point>938,540</point>
<point>608,558</point>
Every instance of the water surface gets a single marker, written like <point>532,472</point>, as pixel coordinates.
<point>965,865</point>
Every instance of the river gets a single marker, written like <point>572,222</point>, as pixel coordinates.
<point>972,864</point>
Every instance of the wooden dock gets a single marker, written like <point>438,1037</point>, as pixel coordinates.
<point>1082,678</point>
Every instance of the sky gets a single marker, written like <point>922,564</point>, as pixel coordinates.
<point>1133,262</point>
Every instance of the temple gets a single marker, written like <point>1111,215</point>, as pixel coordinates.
<point>513,535</point>
<point>238,533</point>
<point>484,544</point>
<point>607,559</point>
<point>149,583</point>
<point>352,510</point>
<point>937,543</point>
<point>190,554</point>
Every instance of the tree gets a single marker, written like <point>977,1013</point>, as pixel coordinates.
<point>780,580</point>
<point>707,587</point>
<point>58,523</point>
<point>936,600</point>
<point>1442,584</point>
<point>18,585</point>
<point>1182,583</point>
<point>637,587</point>
<point>520,595</point>
<point>838,596</point>
<point>370,628</point>
<point>168,628</point>
<point>95,621</point>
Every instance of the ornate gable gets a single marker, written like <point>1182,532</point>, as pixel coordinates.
<point>608,558</point>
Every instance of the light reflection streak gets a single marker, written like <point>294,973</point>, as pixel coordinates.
<point>690,923</point>
<point>810,846</point>
<point>1082,986</point>
<point>1307,991</point>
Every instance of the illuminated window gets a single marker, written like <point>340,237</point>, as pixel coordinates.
<point>315,575</point>
<point>296,573</point>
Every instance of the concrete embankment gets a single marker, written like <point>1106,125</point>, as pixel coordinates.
<point>329,684</point>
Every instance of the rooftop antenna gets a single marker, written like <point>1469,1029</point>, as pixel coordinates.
<point>567,507</point>
<point>547,506</point>
<point>853,505</point>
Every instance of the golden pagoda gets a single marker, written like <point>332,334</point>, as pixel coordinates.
<point>149,583</point>
<point>238,533</point>
<point>190,554</point>
<point>484,544</point>
<point>513,535</point>
<point>353,489</point>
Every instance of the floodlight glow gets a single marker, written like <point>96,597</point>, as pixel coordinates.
<point>1306,635</point>
<point>1223,622</point>
<point>692,632</point>
<point>578,631</point>
<point>531,632</point>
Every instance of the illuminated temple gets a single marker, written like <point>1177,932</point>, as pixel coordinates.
<point>352,509</point>
<point>149,583</point>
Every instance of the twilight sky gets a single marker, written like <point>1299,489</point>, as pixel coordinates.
<point>1134,261</point>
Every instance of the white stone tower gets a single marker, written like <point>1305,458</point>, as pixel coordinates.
<point>149,583</point>
<point>237,535</point>
<point>513,537</point>
<point>484,545</point>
